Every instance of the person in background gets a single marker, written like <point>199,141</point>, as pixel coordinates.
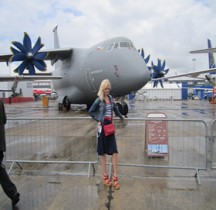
<point>7,185</point>
<point>102,111</point>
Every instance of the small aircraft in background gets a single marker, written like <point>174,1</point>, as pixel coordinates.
<point>211,77</point>
<point>78,72</point>
<point>210,74</point>
<point>194,76</point>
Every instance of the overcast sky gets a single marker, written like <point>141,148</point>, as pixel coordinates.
<point>166,29</point>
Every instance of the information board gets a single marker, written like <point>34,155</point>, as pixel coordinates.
<point>156,136</point>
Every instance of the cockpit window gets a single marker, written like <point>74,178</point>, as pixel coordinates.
<point>116,45</point>
<point>132,46</point>
<point>111,46</point>
<point>120,45</point>
<point>124,44</point>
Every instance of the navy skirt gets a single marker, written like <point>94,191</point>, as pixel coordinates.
<point>106,144</point>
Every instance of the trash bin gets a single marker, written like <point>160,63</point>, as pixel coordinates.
<point>45,101</point>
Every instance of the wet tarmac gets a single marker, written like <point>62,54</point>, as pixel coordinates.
<point>191,109</point>
<point>148,188</point>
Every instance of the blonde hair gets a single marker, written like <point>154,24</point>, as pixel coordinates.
<point>104,84</point>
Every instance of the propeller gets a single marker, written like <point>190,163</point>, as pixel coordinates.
<point>142,53</point>
<point>29,57</point>
<point>158,71</point>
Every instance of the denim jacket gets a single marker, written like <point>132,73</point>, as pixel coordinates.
<point>98,109</point>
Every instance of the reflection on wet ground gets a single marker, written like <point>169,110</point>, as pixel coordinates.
<point>194,109</point>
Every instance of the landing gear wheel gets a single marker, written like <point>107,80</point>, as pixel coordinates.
<point>119,107</point>
<point>66,104</point>
<point>123,108</point>
<point>60,106</point>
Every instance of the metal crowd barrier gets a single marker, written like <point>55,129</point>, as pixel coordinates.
<point>187,145</point>
<point>65,140</point>
<point>69,141</point>
<point>213,144</point>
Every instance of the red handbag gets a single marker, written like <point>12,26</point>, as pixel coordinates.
<point>109,129</point>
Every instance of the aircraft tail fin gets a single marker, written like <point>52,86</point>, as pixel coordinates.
<point>56,39</point>
<point>56,46</point>
<point>211,57</point>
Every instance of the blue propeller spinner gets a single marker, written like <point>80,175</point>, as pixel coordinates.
<point>158,71</point>
<point>29,57</point>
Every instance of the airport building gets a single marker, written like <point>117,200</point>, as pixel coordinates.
<point>175,91</point>
<point>171,91</point>
<point>24,92</point>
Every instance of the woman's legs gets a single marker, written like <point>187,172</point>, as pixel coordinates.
<point>106,179</point>
<point>115,163</point>
<point>103,163</point>
<point>116,184</point>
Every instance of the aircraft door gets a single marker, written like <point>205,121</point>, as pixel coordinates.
<point>90,80</point>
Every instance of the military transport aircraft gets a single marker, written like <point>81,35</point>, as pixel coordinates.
<point>82,70</point>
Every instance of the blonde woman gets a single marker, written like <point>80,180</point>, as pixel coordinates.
<point>102,111</point>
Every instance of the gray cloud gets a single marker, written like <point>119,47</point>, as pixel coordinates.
<point>166,29</point>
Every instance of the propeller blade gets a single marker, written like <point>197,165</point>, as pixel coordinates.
<point>163,65</point>
<point>155,84</point>
<point>41,56</point>
<point>40,65</point>
<point>14,51</point>
<point>142,53</point>
<point>19,46</point>
<point>22,67</point>
<point>18,57</point>
<point>149,68</point>
<point>27,42</point>
<point>147,59</point>
<point>166,71</point>
<point>31,68</point>
<point>38,45</point>
<point>161,83</point>
<point>159,64</point>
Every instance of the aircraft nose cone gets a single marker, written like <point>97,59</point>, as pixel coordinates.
<point>138,74</point>
<point>132,73</point>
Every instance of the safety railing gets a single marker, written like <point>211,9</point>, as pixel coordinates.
<point>213,145</point>
<point>66,144</point>
<point>69,141</point>
<point>187,145</point>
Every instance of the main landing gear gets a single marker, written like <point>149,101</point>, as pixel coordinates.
<point>122,106</point>
<point>65,105</point>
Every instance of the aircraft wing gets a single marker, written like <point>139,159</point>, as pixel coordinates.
<point>189,74</point>
<point>208,50</point>
<point>60,53</point>
<point>53,55</point>
<point>27,78</point>
<point>186,79</point>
